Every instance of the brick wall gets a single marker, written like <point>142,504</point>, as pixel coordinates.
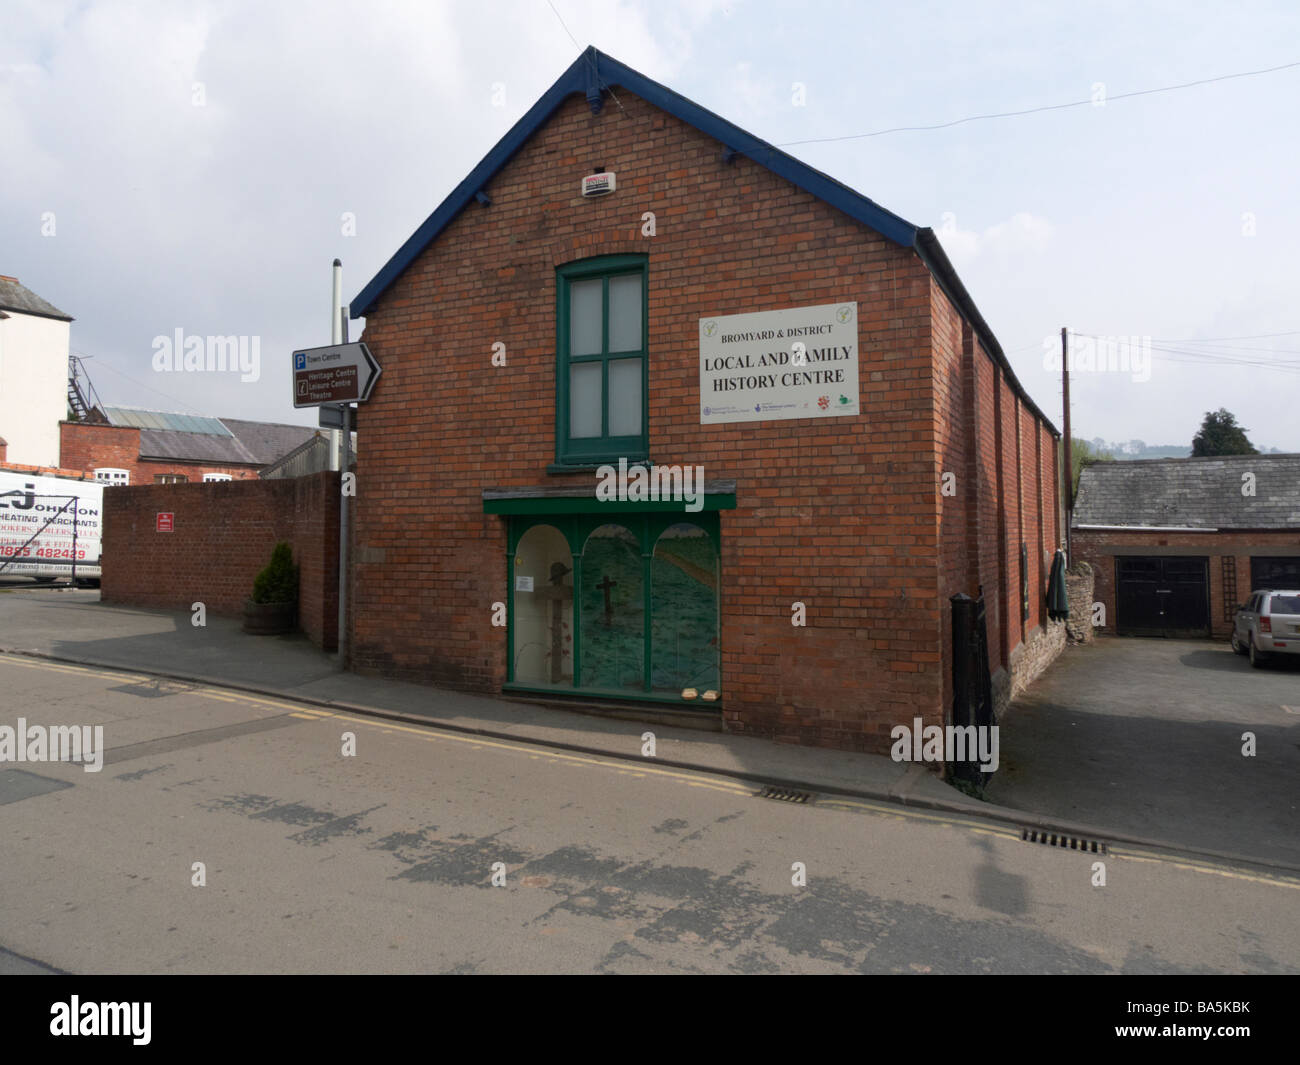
<point>88,447</point>
<point>839,513</point>
<point>223,535</point>
<point>1004,456</point>
<point>1100,547</point>
<point>43,471</point>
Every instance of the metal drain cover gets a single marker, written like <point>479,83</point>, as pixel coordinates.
<point>1056,839</point>
<point>785,794</point>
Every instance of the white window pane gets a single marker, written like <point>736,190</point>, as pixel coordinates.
<point>584,399</point>
<point>625,313</point>
<point>584,317</point>
<point>625,397</point>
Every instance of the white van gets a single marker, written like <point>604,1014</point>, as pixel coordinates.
<point>47,524</point>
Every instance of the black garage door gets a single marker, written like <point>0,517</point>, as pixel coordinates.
<point>1162,596</point>
<point>1278,572</point>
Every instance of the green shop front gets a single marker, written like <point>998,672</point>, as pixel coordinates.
<point>613,600</point>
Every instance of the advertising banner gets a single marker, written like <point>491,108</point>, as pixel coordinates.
<point>38,516</point>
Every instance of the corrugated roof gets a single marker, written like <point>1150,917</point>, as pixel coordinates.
<point>312,456</point>
<point>15,296</point>
<point>1204,493</point>
<point>163,419</point>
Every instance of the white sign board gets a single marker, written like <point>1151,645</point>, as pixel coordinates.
<point>36,525</point>
<point>769,365</point>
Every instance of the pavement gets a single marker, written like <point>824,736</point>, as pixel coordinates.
<point>74,626</point>
<point>1146,737</point>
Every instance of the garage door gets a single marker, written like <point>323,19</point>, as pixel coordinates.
<point>1162,596</point>
<point>1276,572</point>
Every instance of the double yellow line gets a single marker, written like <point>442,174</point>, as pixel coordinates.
<point>432,734</point>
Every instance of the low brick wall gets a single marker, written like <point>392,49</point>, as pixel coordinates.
<point>223,533</point>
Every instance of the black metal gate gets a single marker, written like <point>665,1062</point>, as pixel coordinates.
<point>972,686</point>
<point>1162,596</point>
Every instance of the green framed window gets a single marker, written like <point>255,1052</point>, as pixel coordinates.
<point>601,364</point>
<point>620,605</point>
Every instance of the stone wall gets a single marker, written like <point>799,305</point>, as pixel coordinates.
<point>1079,581</point>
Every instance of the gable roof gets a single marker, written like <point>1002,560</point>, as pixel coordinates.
<point>180,446</point>
<point>269,442</point>
<point>593,74</point>
<point>1193,493</point>
<point>17,297</point>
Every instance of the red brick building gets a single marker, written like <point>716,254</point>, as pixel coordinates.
<point>530,335</point>
<point>132,447</point>
<point>1178,544</point>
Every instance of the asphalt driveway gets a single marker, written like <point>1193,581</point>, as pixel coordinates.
<point>1146,737</point>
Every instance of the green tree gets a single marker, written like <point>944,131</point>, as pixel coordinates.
<point>1221,435</point>
<point>1082,454</point>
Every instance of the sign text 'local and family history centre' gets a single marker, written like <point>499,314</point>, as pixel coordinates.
<point>796,363</point>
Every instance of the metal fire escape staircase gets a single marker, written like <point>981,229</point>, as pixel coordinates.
<point>83,400</point>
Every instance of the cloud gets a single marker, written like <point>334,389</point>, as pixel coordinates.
<point>1021,234</point>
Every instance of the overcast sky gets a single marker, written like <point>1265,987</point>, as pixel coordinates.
<point>194,162</point>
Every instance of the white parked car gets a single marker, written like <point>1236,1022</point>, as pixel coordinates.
<point>1268,623</point>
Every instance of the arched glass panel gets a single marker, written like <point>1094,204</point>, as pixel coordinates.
<point>613,611</point>
<point>543,608</point>
<point>684,611</point>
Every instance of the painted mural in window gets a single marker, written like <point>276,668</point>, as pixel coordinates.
<point>622,608</point>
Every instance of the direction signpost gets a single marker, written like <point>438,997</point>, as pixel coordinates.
<point>331,378</point>
<point>337,373</point>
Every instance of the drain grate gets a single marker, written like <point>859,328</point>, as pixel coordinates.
<point>1054,839</point>
<point>785,794</point>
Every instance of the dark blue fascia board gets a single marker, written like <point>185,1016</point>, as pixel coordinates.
<point>589,73</point>
<point>571,81</point>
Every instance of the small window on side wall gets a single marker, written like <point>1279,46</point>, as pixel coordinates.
<point>112,476</point>
<point>209,477</point>
<point>601,364</point>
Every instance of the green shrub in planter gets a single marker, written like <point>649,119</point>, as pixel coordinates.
<point>278,582</point>
<point>274,604</point>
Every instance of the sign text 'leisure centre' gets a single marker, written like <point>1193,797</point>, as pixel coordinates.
<point>339,373</point>
<point>801,362</point>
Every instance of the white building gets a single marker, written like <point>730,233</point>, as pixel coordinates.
<point>33,374</point>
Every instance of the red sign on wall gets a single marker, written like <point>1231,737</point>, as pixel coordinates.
<point>166,522</point>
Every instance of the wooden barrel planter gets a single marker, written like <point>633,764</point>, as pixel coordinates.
<point>269,619</point>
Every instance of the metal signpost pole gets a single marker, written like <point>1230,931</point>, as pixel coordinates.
<point>345,450</point>
<point>1069,457</point>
